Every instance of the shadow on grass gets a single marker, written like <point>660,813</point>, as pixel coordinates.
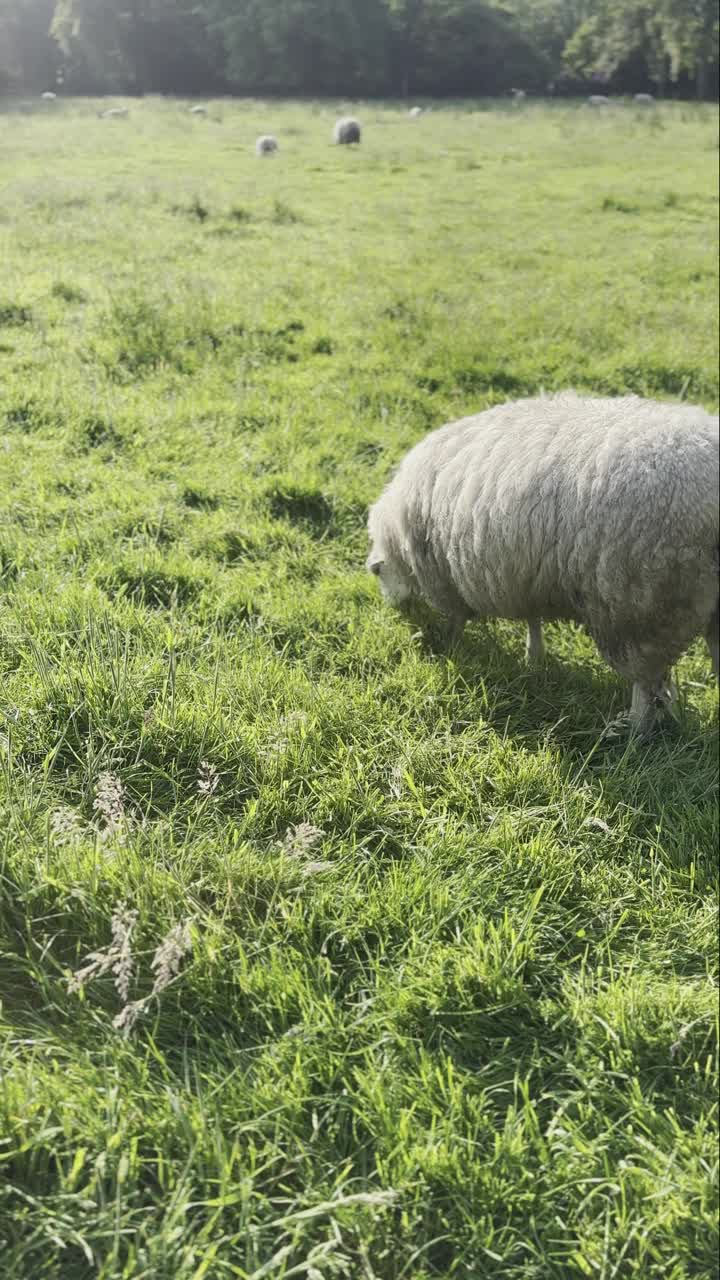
<point>558,702</point>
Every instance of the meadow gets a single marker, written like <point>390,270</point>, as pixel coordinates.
<point>325,953</point>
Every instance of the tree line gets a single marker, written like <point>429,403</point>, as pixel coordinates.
<point>359,48</point>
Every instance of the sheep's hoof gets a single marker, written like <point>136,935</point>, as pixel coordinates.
<point>615,729</point>
<point>624,726</point>
<point>662,715</point>
<point>534,660</point>
<point>430,638</point>
<point>454,632</point>
<point>649,705</point>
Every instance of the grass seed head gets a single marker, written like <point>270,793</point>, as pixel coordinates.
<point>65,826</point>
<point>208,778</point>
<point>169,955</point>
<point>109,804</point>
<point>127,1017</point>
<point>300,839</point>
<point>117,958</point>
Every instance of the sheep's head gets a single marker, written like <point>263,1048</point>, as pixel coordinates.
<point>397,581</point>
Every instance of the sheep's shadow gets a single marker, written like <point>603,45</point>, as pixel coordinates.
<point>578,704</point>
<point>665,785</point>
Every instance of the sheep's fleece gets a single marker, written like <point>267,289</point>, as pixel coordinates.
<point>603,511</point>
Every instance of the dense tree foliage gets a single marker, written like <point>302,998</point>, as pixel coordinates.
<point>358,47</point>
<point>138,45</point>
<point>28,56</point>
<point>671,38</point>
<point>304,46</point>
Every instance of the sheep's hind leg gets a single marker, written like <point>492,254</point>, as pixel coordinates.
<point>535,644</point>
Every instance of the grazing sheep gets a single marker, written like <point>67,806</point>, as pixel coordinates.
<point>198,110</point>
<point>414,112</point>
<point>518,95</point>
<point>48,96</point>
<point>598,100</point>
<point>114,113</point>
<point>601,511</point>
<point>265,144</point>
<point>346,130</point>
<point>644,100</point>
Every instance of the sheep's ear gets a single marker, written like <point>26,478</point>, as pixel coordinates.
<point>375,565</point>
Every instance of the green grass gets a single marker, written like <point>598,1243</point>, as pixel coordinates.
<point>467,1025</point>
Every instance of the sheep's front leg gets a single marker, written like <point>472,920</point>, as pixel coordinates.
<point>454,629</point>
<point>535,645</point>
<point>643,711</point>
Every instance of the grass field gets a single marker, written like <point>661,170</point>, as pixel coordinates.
<point>400,971</point>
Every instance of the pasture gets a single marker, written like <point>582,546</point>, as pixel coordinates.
<point>400,971</point>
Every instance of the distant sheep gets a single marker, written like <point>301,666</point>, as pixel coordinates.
<point>265,144</point>
<point>48,96</point>
<point>114,113</point>
<point>414,112</point>
<point>198,110</point>
<point>346,130</point>
<point>644,100</point>
<point>518,95</point>
<point>598,100</point>
<point>600,511</point>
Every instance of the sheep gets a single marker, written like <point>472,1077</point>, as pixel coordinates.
<point>346,130</point>
<point>114,113</point>
<point>48,96</point>
<point>644,100</point>
<point>598,100</point>
<point>598,511</point>
<point>265,145</point>
<point>198,110</point>
<point>518,95</point>
<point>414,112</point>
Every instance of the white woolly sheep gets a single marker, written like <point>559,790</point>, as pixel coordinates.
<point>598,100</point>
<point>198,110</point>
<point>414,112</point>
<point>346,130</point>
<point>265,145</point>
<point>114,113</point>
<point>644,100</point>
<point>518,95</point>
<point>48,96</point>
<point>599,511</point>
